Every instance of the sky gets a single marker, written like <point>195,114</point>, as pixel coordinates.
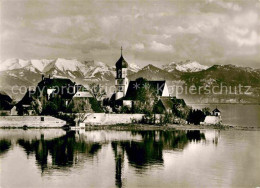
<point>150,32</point>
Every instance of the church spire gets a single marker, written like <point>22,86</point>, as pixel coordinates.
<point>121,63</point>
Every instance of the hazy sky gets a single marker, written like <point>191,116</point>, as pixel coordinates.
<point>158,32</point>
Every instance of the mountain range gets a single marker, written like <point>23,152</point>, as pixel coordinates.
<point>18,72</point>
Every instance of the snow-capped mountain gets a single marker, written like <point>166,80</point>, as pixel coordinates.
<point>187,66</point>
<point>133,67</point>
<point>33,65</point>
<point>73,69</point>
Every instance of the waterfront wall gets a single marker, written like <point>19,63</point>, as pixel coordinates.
<point>212,120</point>
<point>108,119</point>
<point>31,121</point>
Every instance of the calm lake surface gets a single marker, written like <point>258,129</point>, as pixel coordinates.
<point>244,115</point>
<point>192,158</point>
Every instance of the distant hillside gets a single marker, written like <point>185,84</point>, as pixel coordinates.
<point>152,72</point>
<point>17,72</point>
<point>217,75</point>
<point>226,74</point>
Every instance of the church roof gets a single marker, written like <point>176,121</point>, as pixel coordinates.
<point>167,103</point>
<point>121,63</point>
<point>135,86</point>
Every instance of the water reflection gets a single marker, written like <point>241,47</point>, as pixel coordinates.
<point>149,151</point>
<point>119,161</point>
<point>141,149</point>
<point>4,146</point>
<point>65,151</point>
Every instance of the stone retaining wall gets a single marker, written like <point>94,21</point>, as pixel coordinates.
<point>106,119</point>
<point>212,120</point>
<point>31,121</point>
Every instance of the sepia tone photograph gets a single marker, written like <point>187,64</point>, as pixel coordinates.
<point>129,93</point>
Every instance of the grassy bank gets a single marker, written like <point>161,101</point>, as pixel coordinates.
<point>130,127</point>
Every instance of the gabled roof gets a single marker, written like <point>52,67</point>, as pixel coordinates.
<point>216,110</point>
<point>64,86</point>
<point>178,101</point>
<point>5,102</point>
<point>80,87</point>
<point>167,103</point>
<point>5,97</point>
<point>134,86</point>
<point>55,82</point>
<point>27,99</point>
<point>113,97</point>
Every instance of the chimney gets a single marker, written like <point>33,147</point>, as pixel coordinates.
<point>74,87</point>
<point>42,77</point>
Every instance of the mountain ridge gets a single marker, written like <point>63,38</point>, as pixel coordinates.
<point>27,73</point>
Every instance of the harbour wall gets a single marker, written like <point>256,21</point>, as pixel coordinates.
<point>212,120</point>
<point>31,121</point>
<point>109,119</point>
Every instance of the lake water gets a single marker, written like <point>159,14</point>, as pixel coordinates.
<point>192,158</point>
<point>244,115</point>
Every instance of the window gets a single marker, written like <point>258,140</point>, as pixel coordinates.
<point>119,73</point>
<point>120,88</point>
<point>42,118</point>
<point>120,81</point>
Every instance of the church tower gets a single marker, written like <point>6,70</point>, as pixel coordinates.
<point>121,81</point>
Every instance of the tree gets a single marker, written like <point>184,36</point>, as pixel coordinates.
<point>50,108</point>
<point>196,116</point>
<point>206,111</point>
<point>96,91</point>
<point>36,106</point>
<point>146,97</point>
<point>81,107</point>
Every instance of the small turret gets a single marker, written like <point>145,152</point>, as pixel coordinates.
<point>216,112</point>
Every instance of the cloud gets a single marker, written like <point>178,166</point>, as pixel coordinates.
<point>194,23</point>
<point>156,46</point>
<point>138,46</point>
<point>246,19</point>
<point>109,22</point>
<point>70,26</point>
<point>238,30</point>
<point>215,31</point>
<point>226,5</point>
<point>250,40</point>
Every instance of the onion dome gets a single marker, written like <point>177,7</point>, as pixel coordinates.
<point>121,63</point>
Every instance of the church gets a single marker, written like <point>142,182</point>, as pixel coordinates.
<point>127,92</point>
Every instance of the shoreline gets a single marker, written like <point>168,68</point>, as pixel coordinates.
<point>168,127</point>
<point>145,127</point>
